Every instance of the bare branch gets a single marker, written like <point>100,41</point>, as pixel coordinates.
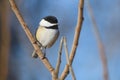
<point>99,41</point>
<point>76,38</point>
<point>59,57</point>
<point>65,72</point>
<point>77,31</point>
<point>30,36</point>
<point>67,57</point>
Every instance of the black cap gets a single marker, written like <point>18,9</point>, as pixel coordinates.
<point>51,19</point>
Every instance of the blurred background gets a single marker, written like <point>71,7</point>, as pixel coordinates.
<point>16,62</point>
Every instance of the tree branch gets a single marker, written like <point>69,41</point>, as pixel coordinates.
<point>59,57</point>
<point>30,36</point>
<point>99,41</point>
<point>67,58</point>
<point>76,39</point>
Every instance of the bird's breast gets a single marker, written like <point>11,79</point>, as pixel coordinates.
<point>47,37</point>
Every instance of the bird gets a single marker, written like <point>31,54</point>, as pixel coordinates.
<point>46,33</point>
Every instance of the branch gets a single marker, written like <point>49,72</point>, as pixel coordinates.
<point>59,57</point>
<point>67,57</point>
<point>30,36</point>
<point>76,38</point>
<point>99,41</point>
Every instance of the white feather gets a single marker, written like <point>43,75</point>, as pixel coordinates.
<point>45,36</point>
<point>45,23</point>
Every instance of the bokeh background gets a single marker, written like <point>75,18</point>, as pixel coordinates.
<point>16,62</point>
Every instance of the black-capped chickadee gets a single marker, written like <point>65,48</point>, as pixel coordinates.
<point>47,33</point>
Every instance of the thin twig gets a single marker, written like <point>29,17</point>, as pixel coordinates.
<point>59,57</point>
<point>76,39</point>
<point>99,41</point>
<point>67,57</point>
<point>30,36</point>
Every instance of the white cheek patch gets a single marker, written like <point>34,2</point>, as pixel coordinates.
<point>46,23</point>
